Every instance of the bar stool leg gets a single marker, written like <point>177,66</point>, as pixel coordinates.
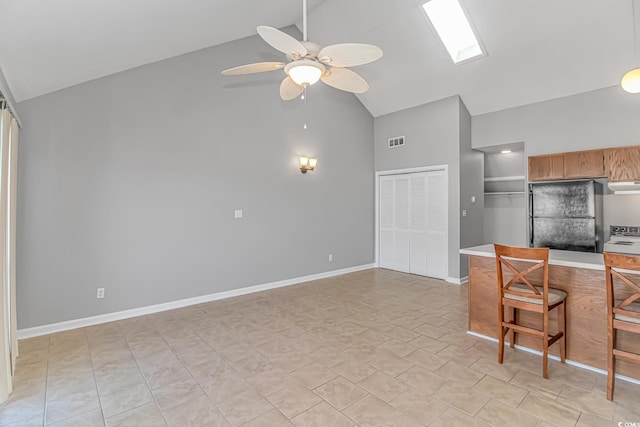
<point>562,322</point>
<point>545,345</point>
<point>512,332</point>
<point>611,363</point>
<point>501,333</point>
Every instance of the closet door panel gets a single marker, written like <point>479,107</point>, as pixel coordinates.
<point>401,223</point>
<point>436,225</point>
<point>413,223</point>
<point>418,224</point>
<point>387,239</point>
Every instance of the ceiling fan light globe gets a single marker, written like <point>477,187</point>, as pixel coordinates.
<point>631,81</point>
<point>305,72</point>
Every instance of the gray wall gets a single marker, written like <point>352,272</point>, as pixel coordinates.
<point>505,216</point>
<point>601,118</point>
<point>505,220</point>
<point>508,164</point>
<point>432,138</point>
<point>620,209</point>
<point>471,186</point>
<point>598,119</point>
<point>130,183</point>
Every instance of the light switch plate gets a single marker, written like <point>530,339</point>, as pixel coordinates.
<point>238,213</point>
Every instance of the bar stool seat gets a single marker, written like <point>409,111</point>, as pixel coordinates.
<point>631,307</point>
<point>555,295</point>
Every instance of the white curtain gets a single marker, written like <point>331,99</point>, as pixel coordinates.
<point>8,181</point>
<point>11,246</point>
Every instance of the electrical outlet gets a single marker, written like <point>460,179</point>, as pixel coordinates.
<point>330,257</point>
<point>100,293</point>
<point>464,212</point>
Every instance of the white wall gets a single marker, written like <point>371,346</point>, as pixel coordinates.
<point>130,183</point>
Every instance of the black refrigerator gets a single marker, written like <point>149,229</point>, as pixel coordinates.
<point>566,215</point>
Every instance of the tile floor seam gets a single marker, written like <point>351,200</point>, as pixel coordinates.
<point>199,385</point>
<point>96,382</point>
<point>146,383</point>
<point>76,414</point>
<point>46,384</point>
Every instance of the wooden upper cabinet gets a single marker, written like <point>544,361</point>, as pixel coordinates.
<point>623,164</point>
<point>584,164</point>
<point>545,168</point>
<point>578,164</point>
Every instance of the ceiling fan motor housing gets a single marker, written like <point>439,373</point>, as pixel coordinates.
<point>312,51</point>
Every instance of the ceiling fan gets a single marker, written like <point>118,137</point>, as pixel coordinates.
<point>310,62</point>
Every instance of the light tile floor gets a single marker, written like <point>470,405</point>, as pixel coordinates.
<point>373,348</point>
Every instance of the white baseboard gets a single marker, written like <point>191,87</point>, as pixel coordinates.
<point>551,356</point>
<point>150,309</point>
<point>458,281</point>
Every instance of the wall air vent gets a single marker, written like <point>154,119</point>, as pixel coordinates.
<point>398,141</point>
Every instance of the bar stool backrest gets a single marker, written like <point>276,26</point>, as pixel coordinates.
<point>505,255</point>
<point>613,264</point>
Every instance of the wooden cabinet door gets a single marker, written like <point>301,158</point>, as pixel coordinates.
<point>584,164</point>
<point>544,168</point>
<point>623,164</point>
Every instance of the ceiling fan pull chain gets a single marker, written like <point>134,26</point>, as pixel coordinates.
<point>304,97</point>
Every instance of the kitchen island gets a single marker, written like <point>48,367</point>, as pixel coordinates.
<point>581,275</point>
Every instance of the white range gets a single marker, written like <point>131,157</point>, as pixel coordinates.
<point>624,240</point>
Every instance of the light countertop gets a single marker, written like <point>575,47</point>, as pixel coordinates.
<point>574,259</point>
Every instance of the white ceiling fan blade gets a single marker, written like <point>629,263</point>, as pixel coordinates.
<point>345,79</point>
<point>282,41</point>
<point>349,54</point>
<point>259,67</point>
<point>289,89</point>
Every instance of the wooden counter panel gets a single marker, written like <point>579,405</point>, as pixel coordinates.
<point>585,307</point>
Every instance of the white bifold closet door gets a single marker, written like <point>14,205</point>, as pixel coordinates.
<point>413,223</point>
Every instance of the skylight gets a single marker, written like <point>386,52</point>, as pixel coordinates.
<point>453,28</point>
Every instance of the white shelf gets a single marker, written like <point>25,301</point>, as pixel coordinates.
<point>505,178</point>
<point>504,193</point>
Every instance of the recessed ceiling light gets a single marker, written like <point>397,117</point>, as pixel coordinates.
<point>453,28</point>
<point>505,151</point>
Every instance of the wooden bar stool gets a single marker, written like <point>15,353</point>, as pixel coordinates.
<point>622,315</point>
<point>520,294</point>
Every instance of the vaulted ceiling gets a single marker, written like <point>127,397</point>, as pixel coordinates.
<point>537,50</point>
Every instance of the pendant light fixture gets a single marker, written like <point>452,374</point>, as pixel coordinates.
<point>631,80</point>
